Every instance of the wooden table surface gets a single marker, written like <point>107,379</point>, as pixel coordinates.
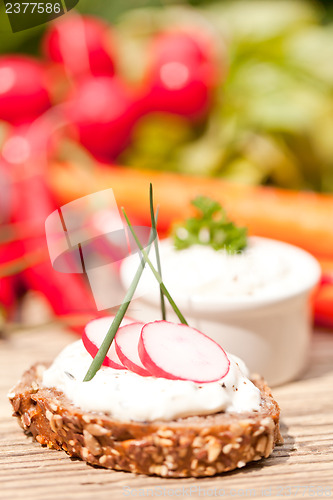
<point>301,468</point>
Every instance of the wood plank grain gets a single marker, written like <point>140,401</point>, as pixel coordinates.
<point>28,471</point>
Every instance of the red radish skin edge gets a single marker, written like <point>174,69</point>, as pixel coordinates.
<point>124,355</point>
<point>152,369</point>
<point>157,371</point>
<point>92,348</point>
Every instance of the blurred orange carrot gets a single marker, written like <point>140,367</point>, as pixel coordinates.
<point>300,218</point>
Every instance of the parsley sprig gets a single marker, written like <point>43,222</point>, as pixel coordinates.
<point>210,227</point>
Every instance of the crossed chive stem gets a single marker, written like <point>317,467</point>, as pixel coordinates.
<point>157,253</point>
<point>155,272</point>
<point>105,346</point>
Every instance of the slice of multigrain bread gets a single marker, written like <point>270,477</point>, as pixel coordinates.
<point>193,446</point>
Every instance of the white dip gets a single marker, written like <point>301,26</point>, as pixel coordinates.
<point>265,270</point>
<point>128,396</point>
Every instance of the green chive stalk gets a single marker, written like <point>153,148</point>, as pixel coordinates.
<point>155,272</point>
<point>157,253</point>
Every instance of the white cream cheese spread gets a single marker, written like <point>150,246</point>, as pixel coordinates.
<point>265,270</point>
<point>128,396</point>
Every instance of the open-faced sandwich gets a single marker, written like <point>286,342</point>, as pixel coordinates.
<point>167,401</point>
<point>157,398</point>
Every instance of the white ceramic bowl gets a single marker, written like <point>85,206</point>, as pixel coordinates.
<point>255,305</point>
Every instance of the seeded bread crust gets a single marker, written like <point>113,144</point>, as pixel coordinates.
<point>185,447</point>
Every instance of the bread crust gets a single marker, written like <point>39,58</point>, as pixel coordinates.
<point>185,447</point>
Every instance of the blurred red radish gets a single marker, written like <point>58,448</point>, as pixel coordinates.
<point>82,44</point>
<point>323,310</point>
<point>104,111</point>
<point>27,148</point>
<point>180,352</point>
<point>327,271</point>
<point>182,73</point>
<point>126,341</point>
<point>23,89</point>
<point>6,192</point>
<point>94,334</point>
<point>9,253</point>
<point>7,296</point>
<point>68,294</point>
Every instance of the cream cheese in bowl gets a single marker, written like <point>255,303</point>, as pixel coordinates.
<point>254,303</point>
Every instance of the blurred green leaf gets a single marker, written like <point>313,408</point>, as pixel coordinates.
<point>27,41</point>
<point>155,140</point>
<point>252,21</point>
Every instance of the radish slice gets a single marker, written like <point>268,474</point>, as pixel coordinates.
<point>94,334</point>
<point>126,343</point>
<point>180,352</point>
